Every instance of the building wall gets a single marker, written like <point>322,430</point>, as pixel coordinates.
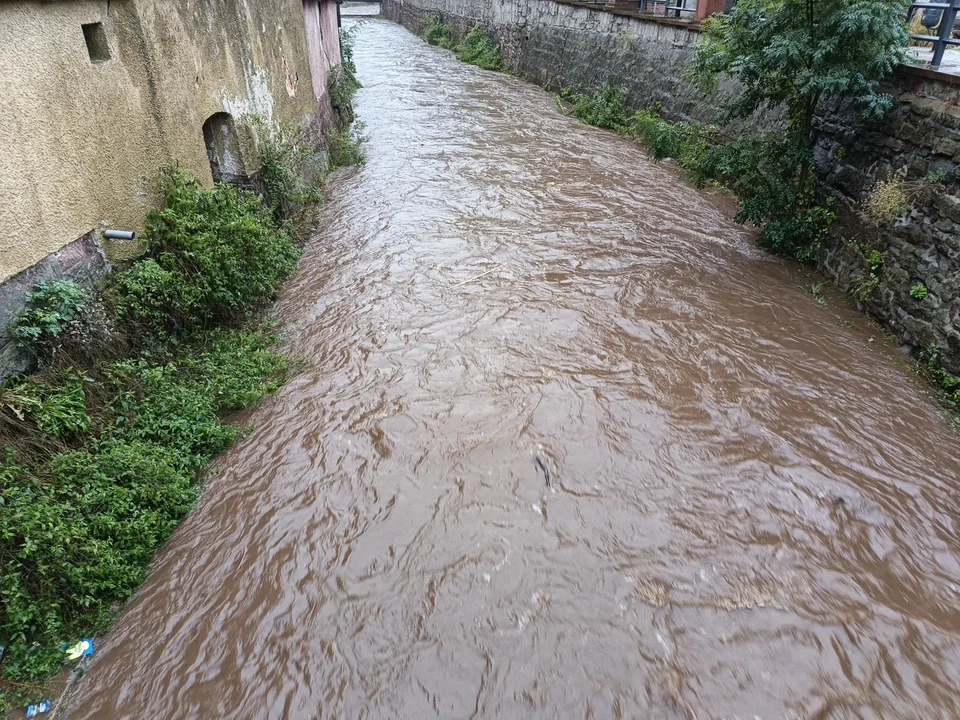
<point>84,137</point>
<point>84,140</point>
<point>560,45</point>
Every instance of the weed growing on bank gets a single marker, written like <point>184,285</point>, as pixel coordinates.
<point>345,147</point>
<point>99,461</point>
<point>439,32</point>
<point>930,366</point>
<point>475,48</point>
<point>288,161</point>
<point>342,83</point>
<point>606,108</point>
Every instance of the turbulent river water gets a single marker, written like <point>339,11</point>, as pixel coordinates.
<point>752,513</point>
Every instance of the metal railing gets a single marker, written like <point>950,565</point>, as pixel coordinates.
<point>670,7</point>
<point>939,15</point>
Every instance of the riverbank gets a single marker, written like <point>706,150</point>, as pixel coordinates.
<point>560,46</point>
<point>105,446</point>
<point>733,468</point>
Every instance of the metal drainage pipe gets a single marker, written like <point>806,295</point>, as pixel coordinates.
<point>119,234</point>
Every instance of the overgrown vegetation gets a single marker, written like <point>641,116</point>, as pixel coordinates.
<point>439,32</point>
<point>288,170</point>
<point>795,55</point>
<point>345,147</point>
<point>101,450</point>
<point>343,83</point>
<point>477,49</point>
<point>212,255</point>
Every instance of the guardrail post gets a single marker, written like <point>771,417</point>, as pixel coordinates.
<point>944,31</point>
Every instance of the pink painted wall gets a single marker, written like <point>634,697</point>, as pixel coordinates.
<point>330,31</point>
<point>323,41</point>
<point>315,55</point>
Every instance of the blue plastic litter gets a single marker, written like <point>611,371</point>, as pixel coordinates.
<point>81,649</point>
<point>40,707</point>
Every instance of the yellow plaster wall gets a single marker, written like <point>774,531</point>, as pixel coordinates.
<point>81,142</point>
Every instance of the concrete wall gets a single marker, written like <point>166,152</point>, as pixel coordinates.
<point>559,45</point>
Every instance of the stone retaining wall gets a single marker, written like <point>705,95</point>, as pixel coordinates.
<point>82,261</point>
<point>560,45</point>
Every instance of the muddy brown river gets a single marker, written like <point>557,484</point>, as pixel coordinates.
<point>752,512</point>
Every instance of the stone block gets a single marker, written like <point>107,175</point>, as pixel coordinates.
<point>949,206</point>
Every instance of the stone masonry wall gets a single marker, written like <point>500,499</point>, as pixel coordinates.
<point>82,261</point>
<point>559,45</point>
<point>919,137</point>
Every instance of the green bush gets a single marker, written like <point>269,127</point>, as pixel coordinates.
<point>477,49</point>
<point>439,33</point>
<point>57,409</point>
<point>919,291</point>
<point>345,147</point>
<point>212,256</point>
<point>606,108</point>
<point>78,529</point>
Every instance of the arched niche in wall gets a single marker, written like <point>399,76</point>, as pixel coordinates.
<point>223,148</point>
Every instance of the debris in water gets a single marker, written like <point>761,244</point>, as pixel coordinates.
<point>542,464</point>
<point>41,707</point>
<point>81,649</point>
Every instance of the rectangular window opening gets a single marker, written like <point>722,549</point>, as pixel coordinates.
<point>96,39</point>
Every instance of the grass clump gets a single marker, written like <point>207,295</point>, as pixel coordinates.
<point>477,49</point>
<point>99,461</point>
<point>439,32</point>
<point>886,201</point>
<point>606,108</point>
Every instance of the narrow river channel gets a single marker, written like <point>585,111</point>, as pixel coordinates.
<point>751,512</point>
